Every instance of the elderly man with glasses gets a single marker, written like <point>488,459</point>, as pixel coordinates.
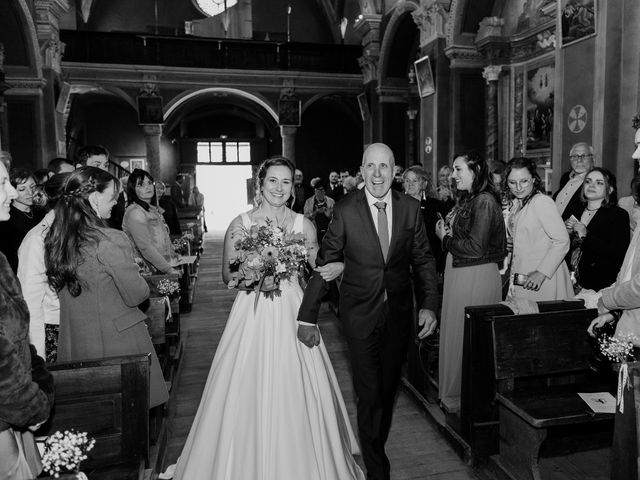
<point>568,198</point>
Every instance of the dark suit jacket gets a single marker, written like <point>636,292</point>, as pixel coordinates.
<point>352,238</point>
<point>576,204</point>
<point>430,207</point>
<point>335,193</point>
<point>604,247</point>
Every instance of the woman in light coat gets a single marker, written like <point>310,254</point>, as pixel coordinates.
<point>538,236</point>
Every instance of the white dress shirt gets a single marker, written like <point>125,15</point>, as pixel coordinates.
<point>567,192</point>
<point>42,301</point>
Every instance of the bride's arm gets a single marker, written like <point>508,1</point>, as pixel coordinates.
<point>311,240</point>
<point>330,271</point>
<point>235,227</point>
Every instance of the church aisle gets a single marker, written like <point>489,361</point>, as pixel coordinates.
<point>415,447</point>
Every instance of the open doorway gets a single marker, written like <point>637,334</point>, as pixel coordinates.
<point>225,193</point>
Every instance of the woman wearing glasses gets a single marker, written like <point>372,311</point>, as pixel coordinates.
<point>538,238</point>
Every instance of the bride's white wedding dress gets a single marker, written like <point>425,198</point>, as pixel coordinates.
<point>271,408</point>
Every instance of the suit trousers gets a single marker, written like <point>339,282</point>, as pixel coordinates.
<point>376,362</point>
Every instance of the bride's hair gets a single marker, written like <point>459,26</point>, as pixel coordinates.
<point>277,161</point>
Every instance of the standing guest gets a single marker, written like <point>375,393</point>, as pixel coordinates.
<point>169,209</point>
<point>197,202</point>
<point>42,300</point>
<point>416,184</point>
<point>42,175</point>
<point>300,192</point>
<point>91,267</point>
<point>177,194</point>
<point>145,225</point>
<point>93,156</point>
<point>444,191</point>
<point>601,236</point>
<point>397,178</point>
<point>26,387</point>
<point>379,235</point>
<point>539,238</point>
<point>569,197</point>
<point>350,185</point>
<point>23,216</point>
<point>474,237</point>
<point>335,189</point>
<point>631,203</point>
<point>61,165</point>
<point>319,209</point>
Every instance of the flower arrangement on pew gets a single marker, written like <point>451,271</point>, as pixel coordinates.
<point>264,257</point>
<point>168,288</point>
<point>65,451</point>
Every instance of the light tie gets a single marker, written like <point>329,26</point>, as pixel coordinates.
<point>383,228</point>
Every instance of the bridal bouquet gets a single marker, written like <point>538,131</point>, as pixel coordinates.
<point>167,287</point>
<point>266,252</point>
<point>64,452</point>
<point>617,348</point>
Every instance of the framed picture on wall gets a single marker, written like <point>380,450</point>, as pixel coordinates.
<point>577,20</point>
<point>424,77</point>
<point>150,110</point>
<point>538,94</point>
<point>289,112</point>
<point>140,163</point>
<point>364,106</point>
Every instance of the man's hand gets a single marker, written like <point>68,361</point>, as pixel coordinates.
<point>427,320</point>
<point>330,271</point>
<point>599,322</point>
<point>535,280</point>
<point>308,335</point>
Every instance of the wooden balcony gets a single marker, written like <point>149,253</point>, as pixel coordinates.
<point>191,52</point>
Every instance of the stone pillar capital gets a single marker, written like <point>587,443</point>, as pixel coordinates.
<point>491,73</point>
<point>369,66</point>
<point>154,130</point>
<point>431,18</point>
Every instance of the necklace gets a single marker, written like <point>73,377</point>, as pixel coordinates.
<point>592,209</point>
<point>28,214</point>
<point>275,216</point>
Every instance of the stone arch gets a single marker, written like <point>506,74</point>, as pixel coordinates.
<point>31,37</point>
<point>402,8</point>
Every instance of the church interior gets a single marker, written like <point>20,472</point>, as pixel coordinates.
<point>206,90</point>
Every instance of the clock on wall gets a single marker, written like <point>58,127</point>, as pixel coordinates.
<point>211,8</point>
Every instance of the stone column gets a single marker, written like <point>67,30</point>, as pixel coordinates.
<point>288,134</point>
<point>152,136</point>
<point>411,136</point>
<point>490,74</point>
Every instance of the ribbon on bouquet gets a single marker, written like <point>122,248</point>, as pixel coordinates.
<point>623,382</point>
<point>258,290</point>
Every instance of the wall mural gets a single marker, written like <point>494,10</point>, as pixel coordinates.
<point>539,107</point>
<point>577,20</point>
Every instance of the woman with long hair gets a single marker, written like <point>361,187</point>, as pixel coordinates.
<point>474,237</point>
<point>144,223</point>
<point>601,237</point>
<point>99,286</point>
<point>539,239</point>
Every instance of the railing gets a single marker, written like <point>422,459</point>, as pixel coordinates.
<point>190,52</point>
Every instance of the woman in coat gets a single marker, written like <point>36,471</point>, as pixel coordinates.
<point>26,388</point>
<point>601,236</point>
<point>98,282</point>
<point>145,225</point>
<point>475,240</point>
<point>539,237</point>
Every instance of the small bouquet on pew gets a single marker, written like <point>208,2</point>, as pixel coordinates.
<point>167,288</point>
<point>65,451</point>
<point>265,256</point>
<point>618,349</point>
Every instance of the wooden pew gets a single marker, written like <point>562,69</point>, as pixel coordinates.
<point>479,426</point>
<point>541,363</point>
<point>108,399</point>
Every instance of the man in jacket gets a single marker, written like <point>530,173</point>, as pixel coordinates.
<point>380,236</point>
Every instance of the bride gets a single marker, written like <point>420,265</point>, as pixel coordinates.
<point>271,408</point>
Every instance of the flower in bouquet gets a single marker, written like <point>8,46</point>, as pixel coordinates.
<point>617,348</point>
<point>167,287</point>
<point>266,251</point>
<point>180,246</point>
<point>65,451</point>
<point>187,236</point>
